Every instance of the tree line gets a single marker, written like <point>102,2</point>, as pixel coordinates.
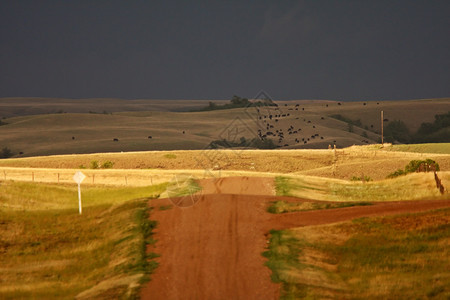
<point>436,132</point>
<point>237,102</point>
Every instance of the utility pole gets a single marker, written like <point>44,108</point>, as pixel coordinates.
<point>382,126</point>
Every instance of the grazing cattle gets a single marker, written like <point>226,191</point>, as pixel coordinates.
<point>115,140</point>
<point>321,137</point>
<point>296,105</point>
<point>296,108</point>
<point>285,145</point>
<point>386,120</point>
<point>73,138</point>
<point>149,136</point>
<point>364,103</point>
<point>326,105</point>
<point>314,126</point>
<point>184,132</point>
<point>303,108</point>
<point>322,118</point>
<point>339,103</point>
<point>20,153</point>
<point>309,122</point>
<point>276,120</point>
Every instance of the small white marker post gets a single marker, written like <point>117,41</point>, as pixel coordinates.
<point>79,177</point>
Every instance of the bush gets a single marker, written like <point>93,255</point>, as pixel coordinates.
<point>356,178</point>
<point>347,120</point>
<point>107,165</point>
<point>95,164</point>
<point>6,153</point>
<point>437,132</point>
<point>413,166</point>
<point>243,142</point>
<point>397,131</point>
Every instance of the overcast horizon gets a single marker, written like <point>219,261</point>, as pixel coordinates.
<point>328,50</point>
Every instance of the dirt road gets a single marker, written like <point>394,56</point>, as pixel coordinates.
<point>212,250</point>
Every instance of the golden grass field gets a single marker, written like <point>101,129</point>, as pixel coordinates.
<point>374,161</point>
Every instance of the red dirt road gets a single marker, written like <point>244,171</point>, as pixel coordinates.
<point>212,250</point>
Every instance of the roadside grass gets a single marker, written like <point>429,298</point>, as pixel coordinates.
<point>410,187</point>
<point>279,207</point>
<point>16,195</point>
<point>283,256</point>
<point>181,185</point>
<point>49,251</point>
<point>396,257</point>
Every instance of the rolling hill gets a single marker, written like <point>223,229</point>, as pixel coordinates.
<point>36,126</point>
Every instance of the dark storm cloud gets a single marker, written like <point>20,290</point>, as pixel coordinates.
<point>213,49</point>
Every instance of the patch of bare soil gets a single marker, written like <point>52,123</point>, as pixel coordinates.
<point>212,250</point>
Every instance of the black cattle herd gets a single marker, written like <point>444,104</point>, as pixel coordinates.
<point>279,134</point>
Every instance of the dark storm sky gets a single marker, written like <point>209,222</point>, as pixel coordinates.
<point>343,50</point>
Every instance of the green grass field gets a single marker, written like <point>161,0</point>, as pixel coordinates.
<point>441,148</point>
<point>397,257</point>
<point>413,186</point>
<point>50,251</point>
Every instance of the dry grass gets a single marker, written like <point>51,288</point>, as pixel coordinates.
<point>372,161</point>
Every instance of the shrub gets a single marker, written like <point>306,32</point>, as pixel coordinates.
<point>95,164</point>
<point>6,153</point>
<point>107,164</point>
<point>413,166</point>
<point>356,178</point>
<point>397,131</point>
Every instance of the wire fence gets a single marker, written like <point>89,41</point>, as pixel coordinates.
<point>93,177</point>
